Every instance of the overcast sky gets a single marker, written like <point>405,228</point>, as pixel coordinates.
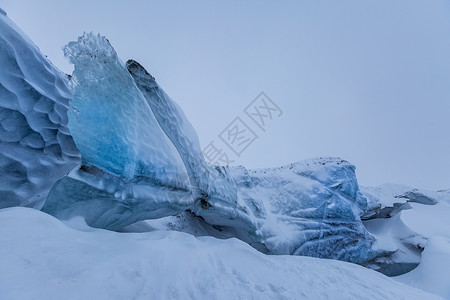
<point>368,81</point>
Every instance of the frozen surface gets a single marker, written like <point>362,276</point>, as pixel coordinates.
<point>45,259</point>
<point>36,148</point>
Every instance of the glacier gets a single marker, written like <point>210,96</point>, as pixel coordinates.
<point>36,147</point>
<point>107,144</point>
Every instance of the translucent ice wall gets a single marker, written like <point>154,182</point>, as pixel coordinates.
<point>110,120</point>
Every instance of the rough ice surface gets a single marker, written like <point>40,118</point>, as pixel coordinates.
<point>36,148</point>
<point>110,120</point>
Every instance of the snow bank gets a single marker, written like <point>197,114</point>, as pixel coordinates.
<point>433,273</point>
<point>431,222</point>
<point>45,259</point>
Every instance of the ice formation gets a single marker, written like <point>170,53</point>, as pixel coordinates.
<point>110,120</point>
<point>136,144</point>
<point>308,208</point>
<point>141,161</point>
<point>175,125</point>
<point>267,212</point>
<point>36,148</point>
<point>212,186</point>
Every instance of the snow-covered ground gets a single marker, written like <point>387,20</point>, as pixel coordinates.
<point>414,220</point>
<point>431,221</point>
<point>47,259</point>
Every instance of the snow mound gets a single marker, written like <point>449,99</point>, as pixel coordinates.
<point>431,223</point>
<point>407,222</point>
<point>36,148</point>
<point>54,261</point>
<point>433,273</point>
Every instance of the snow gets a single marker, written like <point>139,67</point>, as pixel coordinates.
<point>36,148</point>
<point>402,246</point>
<point>433,273</point>
<point>431,222</point>
<point>419,223</point>
<point>428,220</point>
<point>46,259</point>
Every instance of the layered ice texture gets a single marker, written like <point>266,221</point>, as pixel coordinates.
<point>36,148</point>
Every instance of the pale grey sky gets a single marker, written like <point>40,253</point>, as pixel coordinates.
<point>368,81</point>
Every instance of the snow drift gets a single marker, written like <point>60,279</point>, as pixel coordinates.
<point>46,259</point>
